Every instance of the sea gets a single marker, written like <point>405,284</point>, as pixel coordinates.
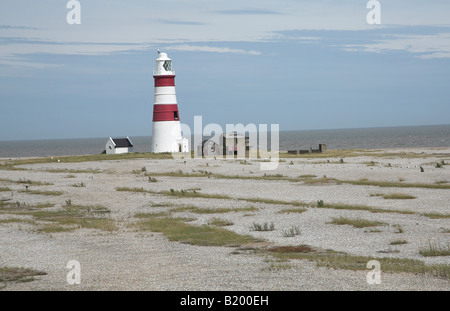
<point>427,136</point>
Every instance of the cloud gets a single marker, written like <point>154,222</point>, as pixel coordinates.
<point>23,62</point>
<point>421,41</point>
<point>212,49</point>
<point>10,27</point>
<point>180,22</point>
<point>249,12</point>
<point>424,46</point>
<point>20,51</point>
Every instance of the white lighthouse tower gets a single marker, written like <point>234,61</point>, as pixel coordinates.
<point>166,134</point>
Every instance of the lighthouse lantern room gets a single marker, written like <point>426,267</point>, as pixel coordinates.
<point>166,133</point>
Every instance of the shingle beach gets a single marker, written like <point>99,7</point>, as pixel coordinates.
<point>404,193</point>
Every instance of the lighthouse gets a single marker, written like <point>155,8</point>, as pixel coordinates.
<point>166,133</point>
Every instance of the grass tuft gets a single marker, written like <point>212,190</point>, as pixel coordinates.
<point>291,232</point>
<point>357,223</point>
<point>49,193</point>
<point>176,229</point>
<point>398,242</point>
<point>18,275</point>
<point>394,196</point>
<point>262,227</point>
<point>435,250</point>
<point>219,222</point>
<point>293,210</point>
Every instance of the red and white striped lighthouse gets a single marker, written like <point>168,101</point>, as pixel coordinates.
<point>166,133</point>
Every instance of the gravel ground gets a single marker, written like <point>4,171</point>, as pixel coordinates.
<point>128,259</point>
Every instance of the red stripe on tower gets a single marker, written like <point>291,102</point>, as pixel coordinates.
<point>165,113</point>
<point>167,80</point>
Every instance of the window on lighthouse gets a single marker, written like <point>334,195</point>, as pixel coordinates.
<point>168,65</point>
<point>175,115</point>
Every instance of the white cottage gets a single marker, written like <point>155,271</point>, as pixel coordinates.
<point>118,145</point>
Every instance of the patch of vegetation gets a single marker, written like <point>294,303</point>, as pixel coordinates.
<point>198,210</point>
<point>398,242</point>
<point>291,232</point>
<point>381,184</point>
<point>152,214</point>
<point>276,264</point>
<point>307,179</point>
<point>293,210</point>
<point>49,193</point>
<point>8,207</point>
<point>220,222</point>
<point>127,189</point>
<point>387,184</point>
<point>436,215</point>
<point>26,181</point>
<point>441,182</point>
<point>307,176</point>
<point>320,204</point>
<point>319,180</point>
<point>274,202</point>
<point>73,217</point>
<point>18,275</point>
<point>341,206</point>
<point>193,194</point>
<point>72,171</point>
<point>435,249</point>
<point>67,218</point>
<point>204,173</point>
<point>4,189</point>
<point>79,185</point>
<point>262,227</point>
<point>357,223</point>
<point>176,229</point>
<point>89,158</point>
<point>394,196</point>
<point>381,210</point>
<point>371,163</point>
<point>339,260</point>
<point>9,167</point>
<point>16,220</point>
<point>292,249</point>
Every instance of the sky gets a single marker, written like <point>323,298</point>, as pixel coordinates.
<point>315,64</point>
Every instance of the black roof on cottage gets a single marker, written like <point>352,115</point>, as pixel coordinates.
<point>122,142</point>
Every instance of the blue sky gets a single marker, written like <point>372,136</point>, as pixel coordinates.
<point>313,64</point>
